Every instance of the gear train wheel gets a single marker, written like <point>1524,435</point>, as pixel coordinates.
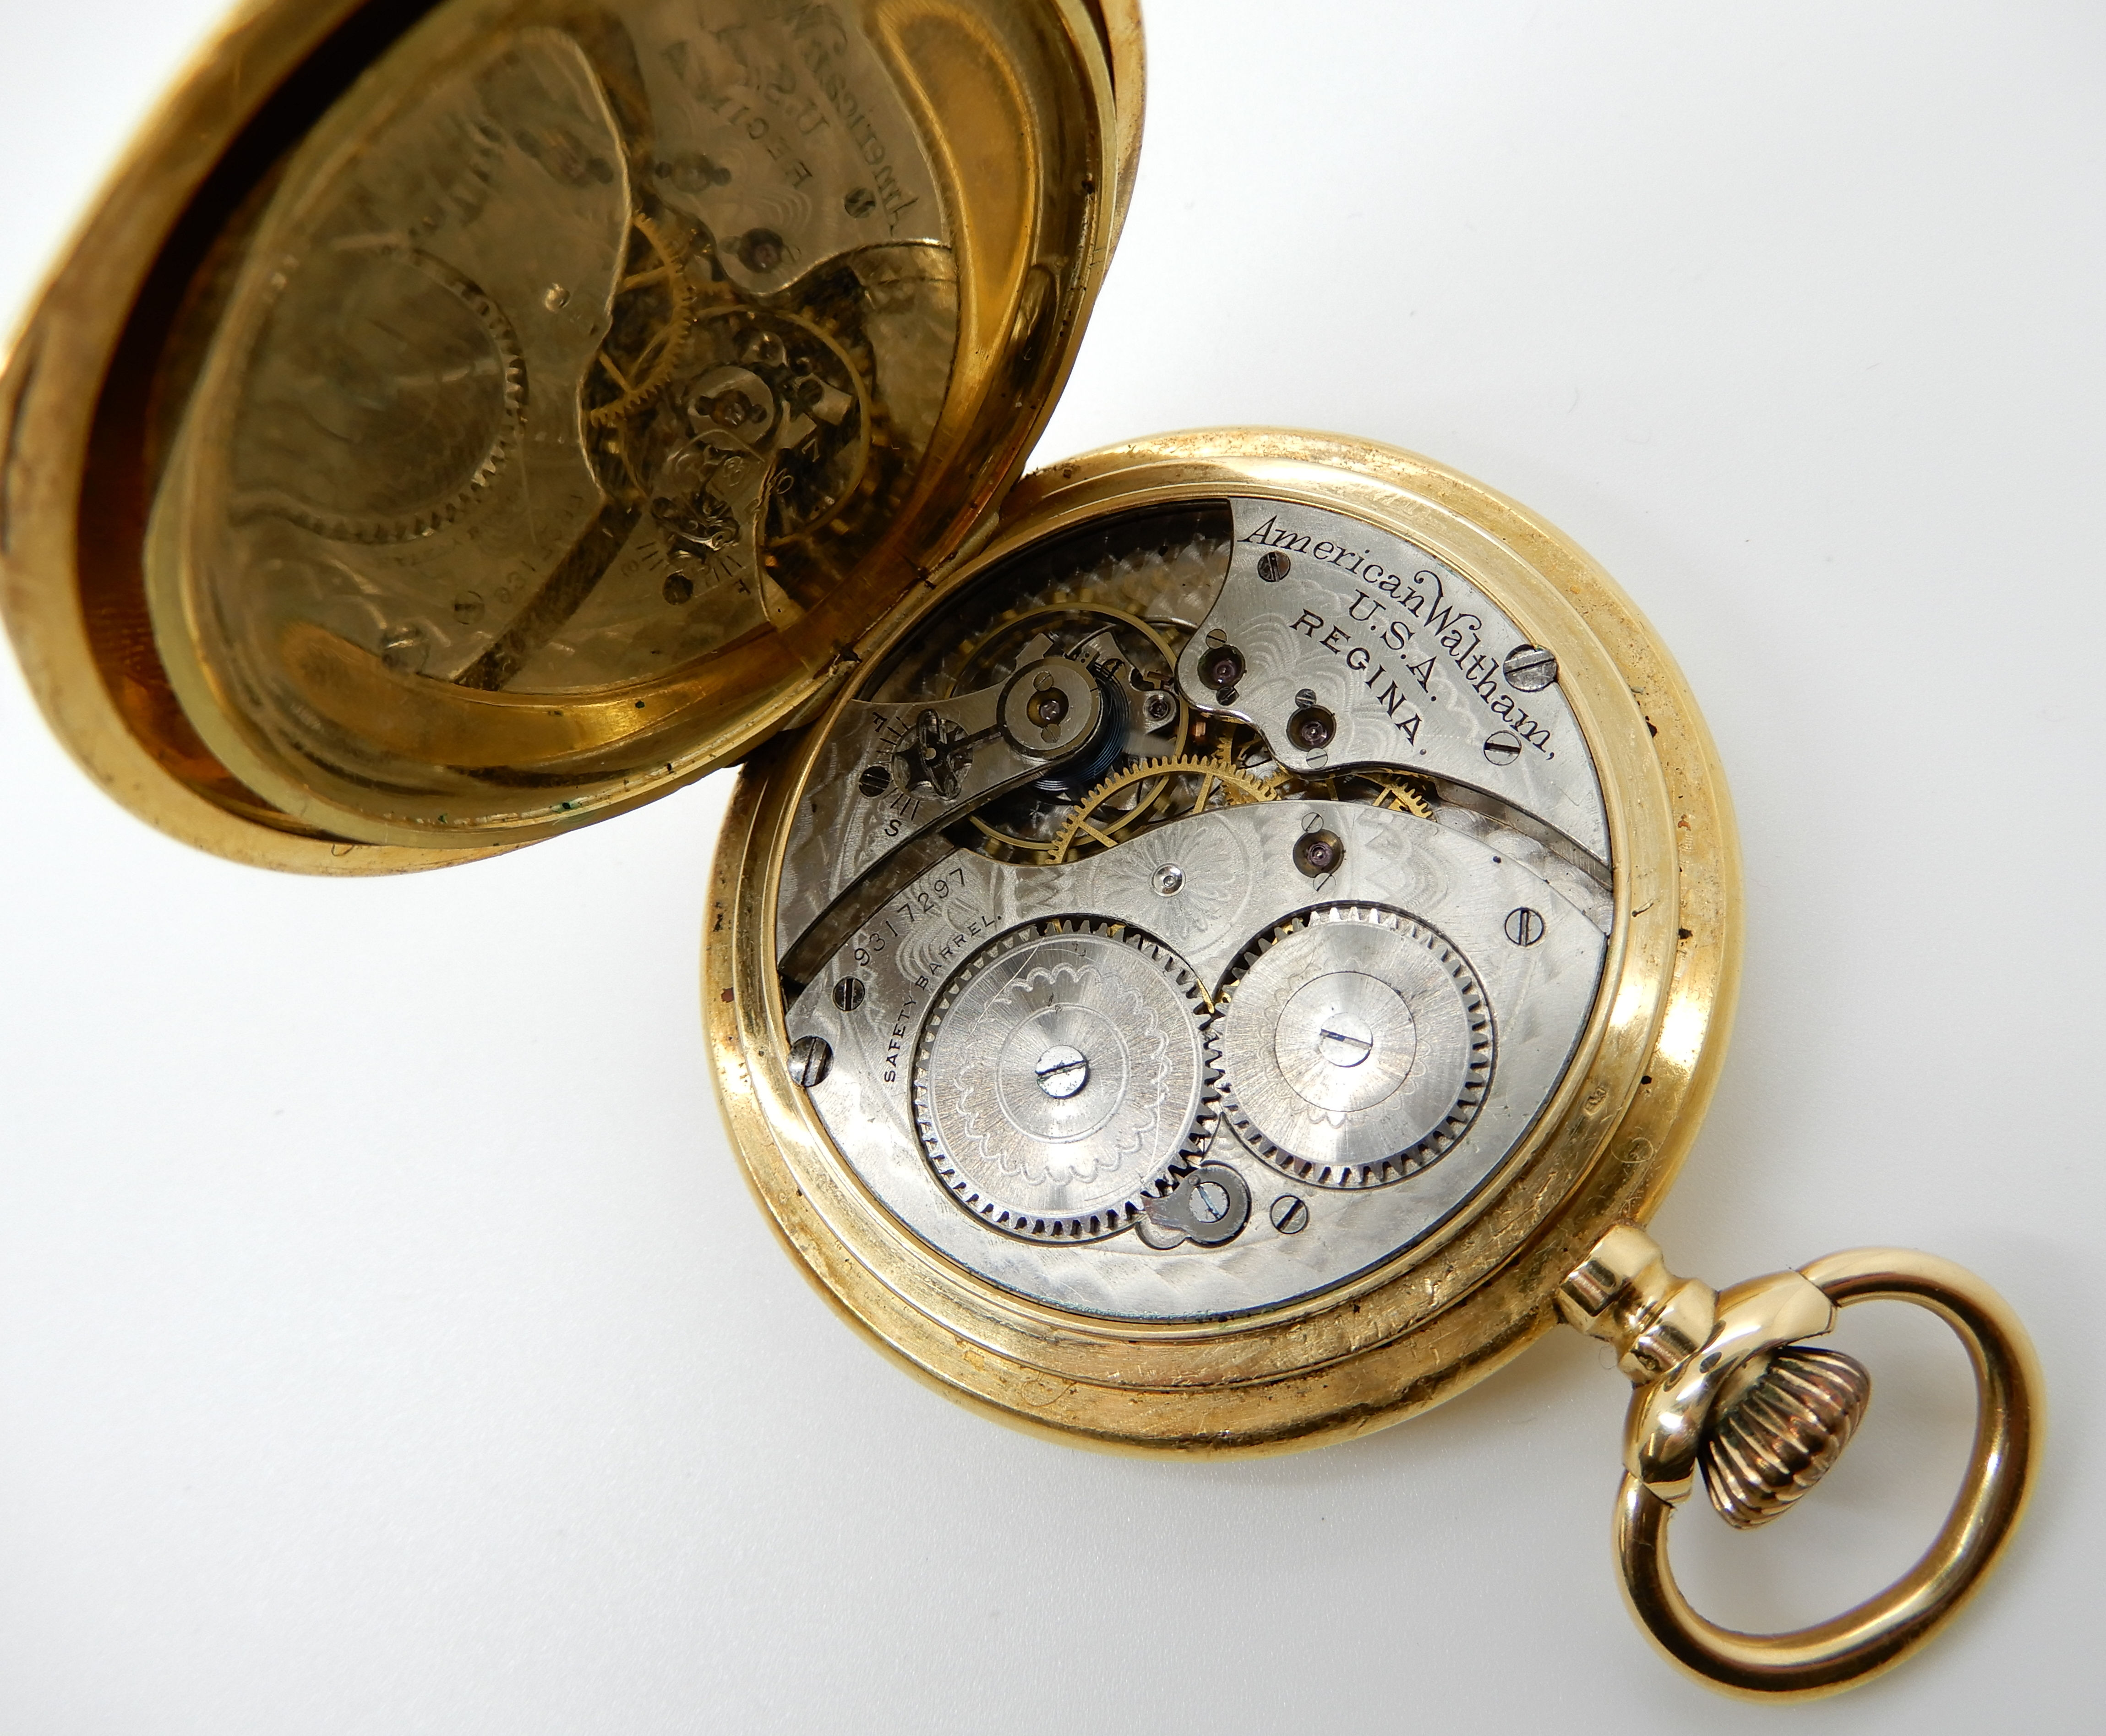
<point>641,375</point>
<point>1354,1046</point>
<point>1061,1079</point>
<point>1401,793</point>
<point>1235,786</point>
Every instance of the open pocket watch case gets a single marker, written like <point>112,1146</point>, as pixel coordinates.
<point>1217,944</point>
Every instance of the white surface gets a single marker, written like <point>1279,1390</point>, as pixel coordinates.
<point>387,1345</point>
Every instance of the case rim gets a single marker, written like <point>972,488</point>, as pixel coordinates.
<point>1435,1320</point>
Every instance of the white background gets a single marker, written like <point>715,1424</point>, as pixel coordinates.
<point>387,1344</point>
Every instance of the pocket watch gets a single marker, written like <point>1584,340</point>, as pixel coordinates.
<point>1217,944</point>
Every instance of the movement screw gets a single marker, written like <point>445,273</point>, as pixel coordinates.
<point>1530,668</point>
<point>811,1060</point>
<point>1062,1072</point>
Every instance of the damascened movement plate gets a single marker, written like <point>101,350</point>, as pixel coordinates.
<point>1180,922</point>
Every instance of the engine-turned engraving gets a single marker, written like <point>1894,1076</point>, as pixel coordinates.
<point>1060,1079</point>
<point>1023,788</point>
<point>404,372</point>
<point>1354,1046</point>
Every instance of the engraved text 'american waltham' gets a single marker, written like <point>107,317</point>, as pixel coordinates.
<point>1421,607</point>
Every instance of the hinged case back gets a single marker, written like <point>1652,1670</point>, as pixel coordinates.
<point>460,422</point>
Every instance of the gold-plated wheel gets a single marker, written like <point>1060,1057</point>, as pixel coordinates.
<point>655,275</point>
<point>1087,826</point>
<point>1401,793</point>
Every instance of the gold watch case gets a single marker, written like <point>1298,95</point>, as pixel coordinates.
<point>1454,1306</point>
<point>462,420</point>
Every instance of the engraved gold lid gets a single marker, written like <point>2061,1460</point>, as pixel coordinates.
<point>459,422</point>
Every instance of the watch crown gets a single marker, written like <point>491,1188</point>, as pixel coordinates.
<point>1778,1429</point>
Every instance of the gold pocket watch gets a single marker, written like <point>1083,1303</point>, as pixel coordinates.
<point>1217,945</point>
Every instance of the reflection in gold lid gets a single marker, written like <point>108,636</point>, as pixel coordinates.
<point>584,390</point>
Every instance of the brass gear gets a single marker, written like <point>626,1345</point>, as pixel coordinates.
<point>642,376</point>
<point>1400,792</point>
<point>1405,794</point>
<point>1238,788</point>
